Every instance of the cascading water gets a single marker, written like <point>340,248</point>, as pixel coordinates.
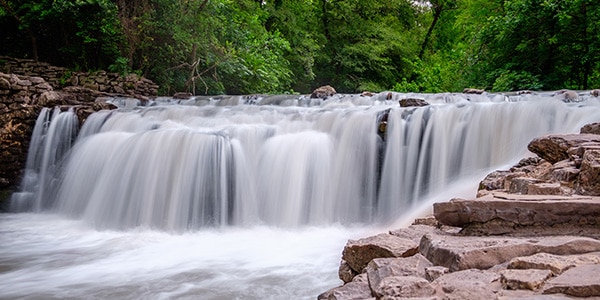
<point>200,192</point>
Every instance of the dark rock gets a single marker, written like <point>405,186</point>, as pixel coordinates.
<point>323,92</point>
<point>182,95</point>
<point>408,102</point>
<point>554,148</point>
<point>588,182</point>
<point>593,128</point>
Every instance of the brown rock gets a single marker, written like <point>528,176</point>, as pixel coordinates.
<point>593,128</point>
<point>469,284</point>
<point>473,91</point>
<point>380,268</point>
<point>350,291</point>
<point>554,148</point>
<point>555,263</point>
<point>524,279</point>
<point>182,95</point>
<point>466,252</point>
<point>582,281</point>
<point>434,272</point>
<point>564,171</point>
<point>545,189</point>
<point>522,210</point>
<point>589,175</point>
<point>366,94</point>
<point>493,181</point>
<point>323,92</point>
<point>595,92</point>
<point>358,253</point>
<point>566,95</point>
<point>345,273</point>
<point>395,287</point>
<point>409,102</point>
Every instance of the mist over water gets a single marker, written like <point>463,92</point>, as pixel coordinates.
<point>225,200</point>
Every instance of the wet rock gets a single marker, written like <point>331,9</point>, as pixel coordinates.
<point>409,102</point>
<point>467,252</point>
<point>358,253</point>
<point>473,91</point>
<point>593,128</point>
<point>323,92</point>
<point>555,263</point>
<point>524,279</point>
<point>581,281</point>
<point>554,148</point>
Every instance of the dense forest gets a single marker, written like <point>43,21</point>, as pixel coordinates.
<point>292,46</point>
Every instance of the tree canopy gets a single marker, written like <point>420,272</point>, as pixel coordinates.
<point>278,46</point>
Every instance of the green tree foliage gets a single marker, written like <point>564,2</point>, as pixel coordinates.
<point>254,46</point>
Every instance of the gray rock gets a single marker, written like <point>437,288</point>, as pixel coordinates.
<point>410,102</point>
<point>380,268</point>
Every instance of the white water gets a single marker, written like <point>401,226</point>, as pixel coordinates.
<point>246,201</point>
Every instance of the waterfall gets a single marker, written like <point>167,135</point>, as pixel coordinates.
<point>181,167</point>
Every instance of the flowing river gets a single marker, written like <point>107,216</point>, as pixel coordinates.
<point>246,197</point>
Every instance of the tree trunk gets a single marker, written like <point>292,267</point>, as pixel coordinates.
<point>437,12</point>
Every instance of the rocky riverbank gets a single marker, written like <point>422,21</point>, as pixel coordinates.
<point>532,233</point>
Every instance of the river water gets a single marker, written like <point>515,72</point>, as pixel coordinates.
<point>246,198</point>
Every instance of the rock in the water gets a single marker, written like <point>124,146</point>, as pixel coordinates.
<point>473,91</point>
<point>323,92</point>
<point>554,148</point>
<point>595,92</point>
<point>593,128</point>
<point>582,281</point>
<point>408,102</point>
<point>467,252</point>
<point>182,95</point>
<point>524,279</point>
<point>358,253</point>
<point>567,95</point>
<point>380,268</point>
<point>555,263</point>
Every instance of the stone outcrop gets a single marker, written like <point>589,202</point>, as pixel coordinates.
<point>130,85</point>
<point>473,91</point>
<point>21,100</point>
<point>323,92</point>
<point>534,233</point>
<point>409,102</point>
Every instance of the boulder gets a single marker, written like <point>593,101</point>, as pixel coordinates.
<point>593,128</point>
<point>473,91</point>
<point>401,287</point>
<point>588,182</point>
<point>358,253</point>
<point>469,284</point>
<point>323,92</point>
<point>434,272</point>
<point>467,252</point>
<point>182,95</point>
<point>581,281</point>
<point>554,148</point>
<point>380,268</point>
<point>566,95</point>
<point>357,289</point>
<point>345,273</point>
<point>409,102</point>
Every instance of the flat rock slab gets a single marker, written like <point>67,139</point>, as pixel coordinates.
<point>469,284</point>
<point>581,281</point>
<point>358,253</point>
<point>555,263</point>
<point>467,252</point>
<point>520,210</point>
<point>524,279</point>
<point>401,287</point>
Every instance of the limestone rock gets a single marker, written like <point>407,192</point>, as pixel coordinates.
<point>409,102</point>
<point>524,279</point>
<point>589,175</point>
<point>555,263</point>
<point>593,128</point>
<point>380,268</point>
<point>582,281</point>
<point>358,253</point>
<point>323,92</point>
<point>434,272</point>
<point>554,148</point>
<point>467,252</point>
<point>395,287</point>
<point>519,210</point>
<point>469,284</point>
